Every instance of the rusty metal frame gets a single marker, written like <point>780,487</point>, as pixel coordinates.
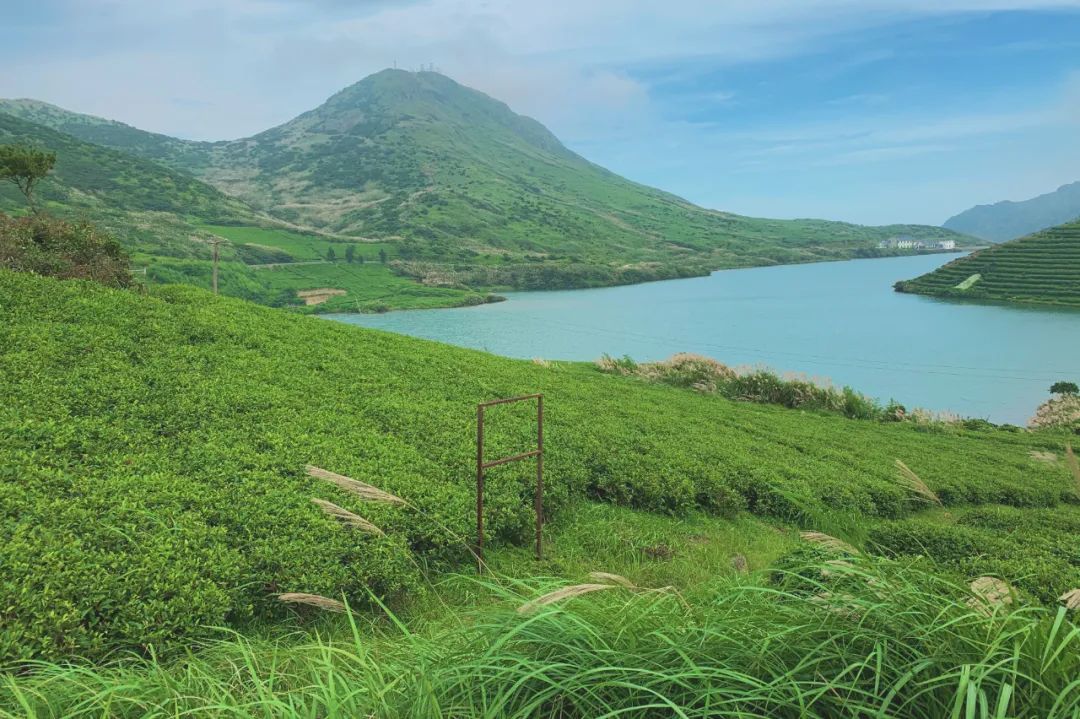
<point>482,467</point>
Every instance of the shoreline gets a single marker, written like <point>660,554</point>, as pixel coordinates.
<point>496,291</point>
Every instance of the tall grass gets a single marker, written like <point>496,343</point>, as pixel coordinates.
<point>865,638</point>
<point>757,384</point>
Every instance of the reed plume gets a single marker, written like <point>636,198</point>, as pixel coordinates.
<point>365,491</point>
<point>347,517</point>
<point>609,578</point>
<point>990,592</point>
<point>312,600</point>
<point>828,542</point>
<point>912,481</point>
<point>574,590</point>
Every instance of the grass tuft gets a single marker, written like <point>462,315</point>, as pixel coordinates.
<point>1074,465</point>
<point>904,645</point>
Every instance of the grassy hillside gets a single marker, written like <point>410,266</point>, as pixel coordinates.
<point>1042,268</point>
<point>165,219</point>
<point>151,479</point>
<point>473,192</point>
<point>152,495</point>
<point>149,206</point>
<point>1008,220</point>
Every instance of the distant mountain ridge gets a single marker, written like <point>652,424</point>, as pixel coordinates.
<point>1008,220</point>
<point>457,177</point>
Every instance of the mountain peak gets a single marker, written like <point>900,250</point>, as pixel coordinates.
<point>1009,219</point>
<point>390,97</point>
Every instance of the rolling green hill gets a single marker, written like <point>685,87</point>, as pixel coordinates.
<point>151,207</point>
<point>472,192</point>
<point>1043,268</point>
<point>165,218</point>
<point>1009,220</point>
<point>152,486</point>
<point>156,519</point>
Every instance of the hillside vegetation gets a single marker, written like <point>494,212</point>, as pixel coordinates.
<point>152,485</point>
<point>1009,220</point>
<point>472,193</point>
<point>1042,268</point>
<point>149,206</point>
<point>166,219</point>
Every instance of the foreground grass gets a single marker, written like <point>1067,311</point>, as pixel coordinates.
<point>858,638</point>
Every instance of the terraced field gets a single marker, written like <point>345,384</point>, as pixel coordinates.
<point>1043,267</point>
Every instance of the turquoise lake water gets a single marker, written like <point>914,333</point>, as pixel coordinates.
<point>839,321</point>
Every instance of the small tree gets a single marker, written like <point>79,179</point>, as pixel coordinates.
<point>330,254</point>
<point>25,166</point>
<point>350,253</point>
<point>382,255</point>
<point>1064,388</point>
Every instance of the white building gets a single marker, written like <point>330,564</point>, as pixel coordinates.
<point>901,242</point>
<point>946,245</point>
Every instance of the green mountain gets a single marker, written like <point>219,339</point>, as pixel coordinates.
<point>109,133</point>
<point>473,193</point>
<point>166,219</point>
<point>1043,267</point>
<point>1008,220</point>
<point>151,207</point>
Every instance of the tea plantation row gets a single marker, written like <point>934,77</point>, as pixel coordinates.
<point>1038,550</point>
<point>1043,267</point>
<point>151,469</point>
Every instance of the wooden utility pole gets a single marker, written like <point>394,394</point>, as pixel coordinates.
<point>215,244</point>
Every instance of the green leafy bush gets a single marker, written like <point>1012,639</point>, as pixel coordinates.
<point>1036,550</point>
<point>709,376</point>
<point>57,248</point>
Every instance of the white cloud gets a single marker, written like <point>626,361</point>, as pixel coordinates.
<point>215,69</point>
<point>258,62</point>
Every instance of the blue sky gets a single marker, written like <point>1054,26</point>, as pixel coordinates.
<point>872,111</point>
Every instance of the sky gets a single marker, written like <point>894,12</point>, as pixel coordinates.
<point>871,111</point>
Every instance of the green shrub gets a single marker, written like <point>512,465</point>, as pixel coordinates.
<point>1035,550</point>
<point>709,376</point>
<point>1064,388</point>
<point>57,248</point>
